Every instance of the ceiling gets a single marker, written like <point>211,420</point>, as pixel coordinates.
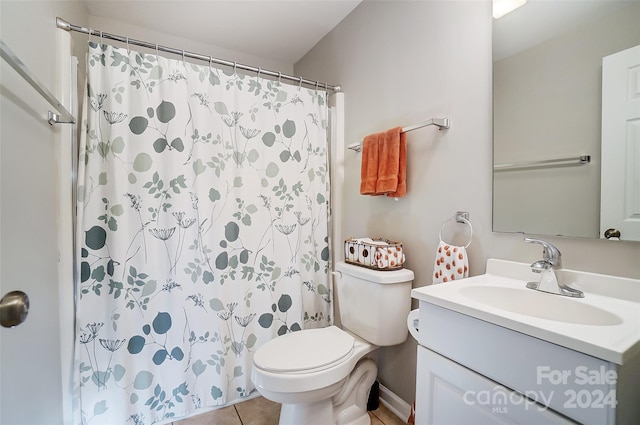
<point>282,30</point>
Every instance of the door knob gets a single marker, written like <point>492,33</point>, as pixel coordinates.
<point>612,233</point>
<point>14,307</point>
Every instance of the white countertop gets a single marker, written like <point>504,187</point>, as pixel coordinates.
<point>617,342</point>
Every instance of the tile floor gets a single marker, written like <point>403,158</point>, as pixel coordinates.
<point>260,411</point>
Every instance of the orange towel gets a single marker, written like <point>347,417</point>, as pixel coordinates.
<point>401,188</point>
<point>384,160</point>
<point>388,161</point>
<point>369,167</point>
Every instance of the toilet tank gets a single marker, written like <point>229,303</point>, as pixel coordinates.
<point>374,304</point>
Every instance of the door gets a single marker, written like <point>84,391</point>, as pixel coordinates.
<point>620,187</point>
<point>35,239</point>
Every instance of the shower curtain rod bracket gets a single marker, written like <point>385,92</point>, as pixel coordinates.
<point>62,24</point>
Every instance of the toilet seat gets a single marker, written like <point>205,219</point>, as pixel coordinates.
<point>306,351</point>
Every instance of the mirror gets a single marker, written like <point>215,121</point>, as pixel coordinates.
<point>547,94</point>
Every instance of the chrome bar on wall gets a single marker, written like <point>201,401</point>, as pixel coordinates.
<point>62,24</point>
<point>441,123</point>
<point>63,116</point>
<point>545,163</point>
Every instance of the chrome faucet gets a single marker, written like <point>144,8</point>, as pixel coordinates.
<point>550,280</point>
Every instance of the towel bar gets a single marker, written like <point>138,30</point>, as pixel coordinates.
<point>63,116</point>
<point>557,162</point>
<point>441,123</point>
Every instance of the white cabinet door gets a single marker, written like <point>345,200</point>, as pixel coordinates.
<point>620,186</point>
<point>450,394</point>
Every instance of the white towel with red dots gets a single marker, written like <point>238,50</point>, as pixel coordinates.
<point>451,263</point>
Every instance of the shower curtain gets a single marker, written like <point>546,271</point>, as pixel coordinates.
<point>202,232</point>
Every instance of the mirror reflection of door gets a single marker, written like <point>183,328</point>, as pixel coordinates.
<point>620,179</point>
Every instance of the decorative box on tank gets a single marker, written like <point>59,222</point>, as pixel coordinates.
<point>378,254</point>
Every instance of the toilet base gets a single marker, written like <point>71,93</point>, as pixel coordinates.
<point>346,406</point>
<point>350,404</point>
<point>317,413</point>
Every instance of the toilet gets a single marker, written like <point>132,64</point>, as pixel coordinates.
<point>322,376</point>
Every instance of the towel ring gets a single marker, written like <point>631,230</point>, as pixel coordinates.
<point>459,218</point>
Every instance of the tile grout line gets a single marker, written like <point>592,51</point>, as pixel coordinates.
<point>238,413</point>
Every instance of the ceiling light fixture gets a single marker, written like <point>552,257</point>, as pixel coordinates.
<point>502,7</point>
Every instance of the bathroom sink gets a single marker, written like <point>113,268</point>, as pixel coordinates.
<point>541,305</point>
<point>604,324</point>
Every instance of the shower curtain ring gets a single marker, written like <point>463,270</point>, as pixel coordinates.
<point>258,76</point>
<point>279,77</point>
<point>210,62</point>
<point>317,84</point>
<point>234,67</point>
<point>300,83</point>
<point>183,64</point>
<point>157,58</point>
<point>90,33</point>
<point>128,50</point>
<point>100,38</point>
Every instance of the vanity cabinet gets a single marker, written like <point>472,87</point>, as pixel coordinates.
<point>473,371</point>
<point>452,394</point>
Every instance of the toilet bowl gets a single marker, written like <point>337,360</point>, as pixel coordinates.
<point>322,376</point>
<point>305,370</point>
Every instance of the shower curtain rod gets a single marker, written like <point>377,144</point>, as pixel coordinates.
<point>62,24</point>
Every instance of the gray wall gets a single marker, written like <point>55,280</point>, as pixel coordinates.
<point>400,63</point>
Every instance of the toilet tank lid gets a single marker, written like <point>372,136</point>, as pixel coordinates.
<point>376,276</point>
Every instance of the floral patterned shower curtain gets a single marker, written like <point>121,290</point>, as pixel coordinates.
<point>202,226</point>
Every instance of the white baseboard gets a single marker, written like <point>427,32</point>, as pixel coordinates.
<point>395,404</point>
